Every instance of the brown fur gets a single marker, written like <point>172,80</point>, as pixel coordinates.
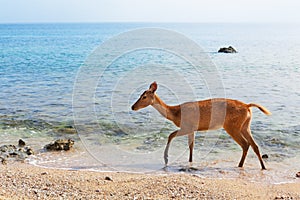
<point>232,115</point>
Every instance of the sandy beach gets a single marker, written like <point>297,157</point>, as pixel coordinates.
<point>24,181</point>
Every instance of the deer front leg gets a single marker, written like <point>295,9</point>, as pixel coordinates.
<point>166,153</point>
<point>171,137</point>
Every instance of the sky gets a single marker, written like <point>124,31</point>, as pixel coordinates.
<point>207,11</point>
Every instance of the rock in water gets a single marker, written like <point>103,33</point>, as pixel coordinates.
<point>29,151</point>
<point>21,143</point>
<point>60,144</point>
<point>11,152</point>
<point>229,49</point>
<point>265,156</point>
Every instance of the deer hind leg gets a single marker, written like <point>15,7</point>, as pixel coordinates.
<point>170,138</point>
<point>191,140</point>
<point>247,134</point>
<point>245,151</point>
<point>235,133</point>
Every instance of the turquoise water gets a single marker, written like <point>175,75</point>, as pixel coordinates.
<point>39,64</point>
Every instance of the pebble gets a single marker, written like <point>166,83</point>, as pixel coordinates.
<point>3,161</point>
<point>283,197</point>
<point>107,178</point>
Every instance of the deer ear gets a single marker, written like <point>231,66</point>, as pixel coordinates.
<point>153,87</point>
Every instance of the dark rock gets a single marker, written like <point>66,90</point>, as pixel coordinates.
<point>29,151</point>
<point>229,49</point>
<point>298,174</point>
<point>60,144</point>
<point>3,148</point>
<point>67,129</point>
<point>283,197</point>
<point>265,156</point>
<point>11,152</point>
<point>26,151</point>
<point>188,169</point>
<point>8,148</point>
<point>21,143</point>
<point>107,178</point>
<point>3,160</point>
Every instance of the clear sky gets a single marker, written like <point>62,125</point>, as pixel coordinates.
<point>17,11</point>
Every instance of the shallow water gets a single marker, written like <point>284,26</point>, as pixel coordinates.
<point>40,63</point>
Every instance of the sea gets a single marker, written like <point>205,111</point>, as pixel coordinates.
<point>79,81</point>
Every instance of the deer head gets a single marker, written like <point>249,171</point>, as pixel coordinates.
<point>146,99</point>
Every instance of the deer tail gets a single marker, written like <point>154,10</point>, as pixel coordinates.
<point>263,109</point>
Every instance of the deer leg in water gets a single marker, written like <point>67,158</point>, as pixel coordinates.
<point>191,140</point>
<point>245,151</point>
<point>236,134</point>
<point>171,137</point>
<point>247,134</point>
<point>166,153</point>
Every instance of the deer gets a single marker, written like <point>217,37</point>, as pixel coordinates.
<point>205,115</point>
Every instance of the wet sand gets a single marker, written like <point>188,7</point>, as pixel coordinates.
<point>24,181</point>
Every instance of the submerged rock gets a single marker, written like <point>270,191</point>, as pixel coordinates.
<point>229,49</point>
<point>265,156</point>
<point>188,169</point>
<point>69,129</point>
<point>60,144</point>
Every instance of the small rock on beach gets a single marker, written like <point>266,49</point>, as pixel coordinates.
<point>16,153</point>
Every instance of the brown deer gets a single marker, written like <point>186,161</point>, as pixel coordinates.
<point>232,115</point>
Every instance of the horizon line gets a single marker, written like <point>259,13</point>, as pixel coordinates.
<point>146,22</point>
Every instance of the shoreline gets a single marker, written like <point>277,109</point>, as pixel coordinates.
<point>25,181</point>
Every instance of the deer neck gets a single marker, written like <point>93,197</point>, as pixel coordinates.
<point>163,108</point>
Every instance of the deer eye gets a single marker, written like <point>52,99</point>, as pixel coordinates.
<point>144,97</point>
